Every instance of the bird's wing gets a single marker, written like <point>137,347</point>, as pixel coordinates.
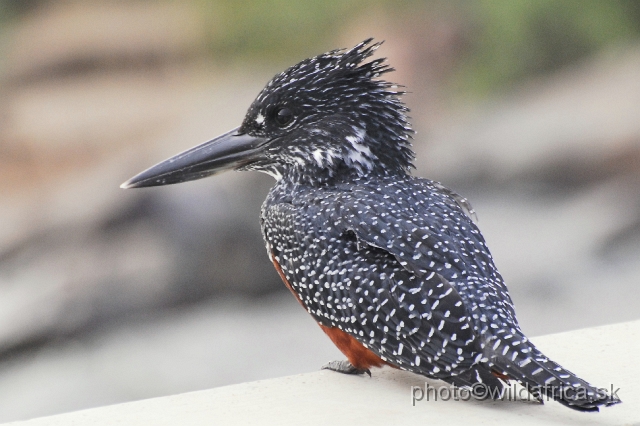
<point>427,229</point>
<point>424,228</point>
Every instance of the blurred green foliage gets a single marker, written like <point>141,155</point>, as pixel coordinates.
<point>507,40</point>
<point>515,39</point>
<point>275,29</point>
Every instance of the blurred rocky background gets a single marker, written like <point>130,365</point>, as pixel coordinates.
<point>529,109</point>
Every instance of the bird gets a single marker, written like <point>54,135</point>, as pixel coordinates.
<point>392,267</point>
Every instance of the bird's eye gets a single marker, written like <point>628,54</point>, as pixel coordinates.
<point>283,116</point>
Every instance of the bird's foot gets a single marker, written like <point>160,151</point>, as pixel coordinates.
<point>345,367</point>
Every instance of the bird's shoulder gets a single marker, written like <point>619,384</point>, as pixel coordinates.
<point>396,196</point>
<point>422,223</point>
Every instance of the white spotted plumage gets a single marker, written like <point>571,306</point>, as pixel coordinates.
<point>394,261</point>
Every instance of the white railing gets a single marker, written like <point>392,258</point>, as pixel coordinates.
<point>606,356</point>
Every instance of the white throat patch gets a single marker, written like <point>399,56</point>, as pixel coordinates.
<point>358,154</point>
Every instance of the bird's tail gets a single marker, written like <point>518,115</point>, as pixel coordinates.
<point>541,376</point>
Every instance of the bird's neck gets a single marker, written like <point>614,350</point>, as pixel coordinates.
<point>337,175</point>
<point>293,181</point>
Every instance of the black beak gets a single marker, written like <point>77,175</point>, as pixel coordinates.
<point>228,151</point>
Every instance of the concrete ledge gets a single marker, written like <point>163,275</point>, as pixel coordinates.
<point>605,356</point>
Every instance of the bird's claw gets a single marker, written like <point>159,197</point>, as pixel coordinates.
<point>345,367</point>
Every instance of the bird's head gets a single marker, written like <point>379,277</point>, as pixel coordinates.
<point>328,117</point>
